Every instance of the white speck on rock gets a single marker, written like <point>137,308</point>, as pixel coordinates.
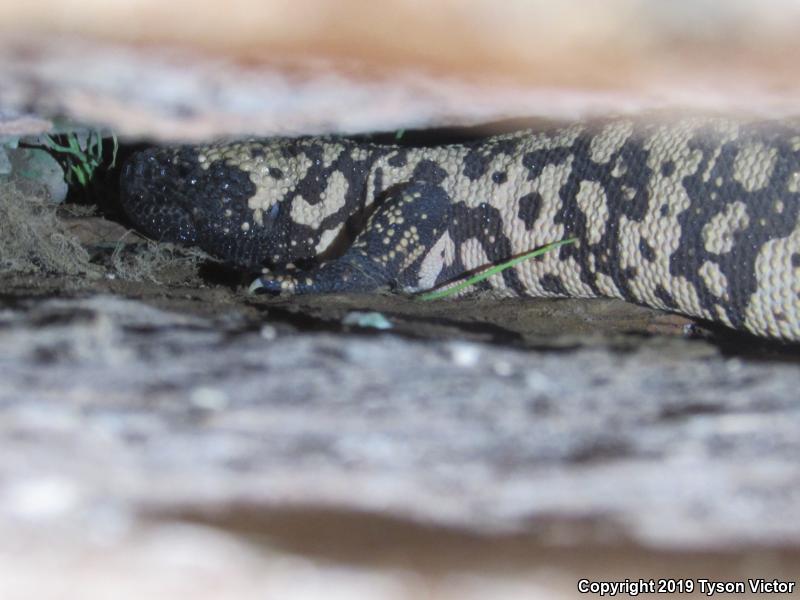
<point>209,398</point>
<point>464,355</point>
<point>39,498</point>
<point>537,381</point>
<point>268,332</point>
<point>502,368</point>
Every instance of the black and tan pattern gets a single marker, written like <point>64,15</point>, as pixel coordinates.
<point>698,216</point>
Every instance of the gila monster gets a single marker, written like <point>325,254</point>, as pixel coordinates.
<point>698,216</point>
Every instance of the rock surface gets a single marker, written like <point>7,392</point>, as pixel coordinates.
<point>203,68</point>
<point>214,445</point>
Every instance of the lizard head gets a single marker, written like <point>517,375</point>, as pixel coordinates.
<point>227,199</point>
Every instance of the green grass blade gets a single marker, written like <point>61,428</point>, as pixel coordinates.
<point>80,164</point>
<point>114,151</point>
<point>437,294</point>
<point>54,145</point>
<point>75,147</point>
<point>79,175</point>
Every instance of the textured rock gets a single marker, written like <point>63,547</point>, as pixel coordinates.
<point>147,69</point>
<point>132,433</point>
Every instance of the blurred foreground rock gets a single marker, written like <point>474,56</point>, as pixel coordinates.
<point>150,451</point>
<point>197,69</point>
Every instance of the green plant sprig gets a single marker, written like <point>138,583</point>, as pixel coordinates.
<point>79,163</point>
<point>444,293</point>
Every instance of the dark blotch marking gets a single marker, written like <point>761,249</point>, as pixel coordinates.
<point>483,222</point>
<point>377,187</point>
<point>553,284</point>
<point>275,173</point>
<point>480,156</point>
<point>667,168</point>
<point>664,210</point>
<point>475,165</point>
<point>604,256</point>
<point>257,152</point>
<point>665,297</point>
<point>429,172</point>
<point>398,159</point>
<point>647,250</point>
<point>499,177</point>
<point>537,160</point>
<point>796,260</point>
<point>529,207</point>
<point>707,199</point>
